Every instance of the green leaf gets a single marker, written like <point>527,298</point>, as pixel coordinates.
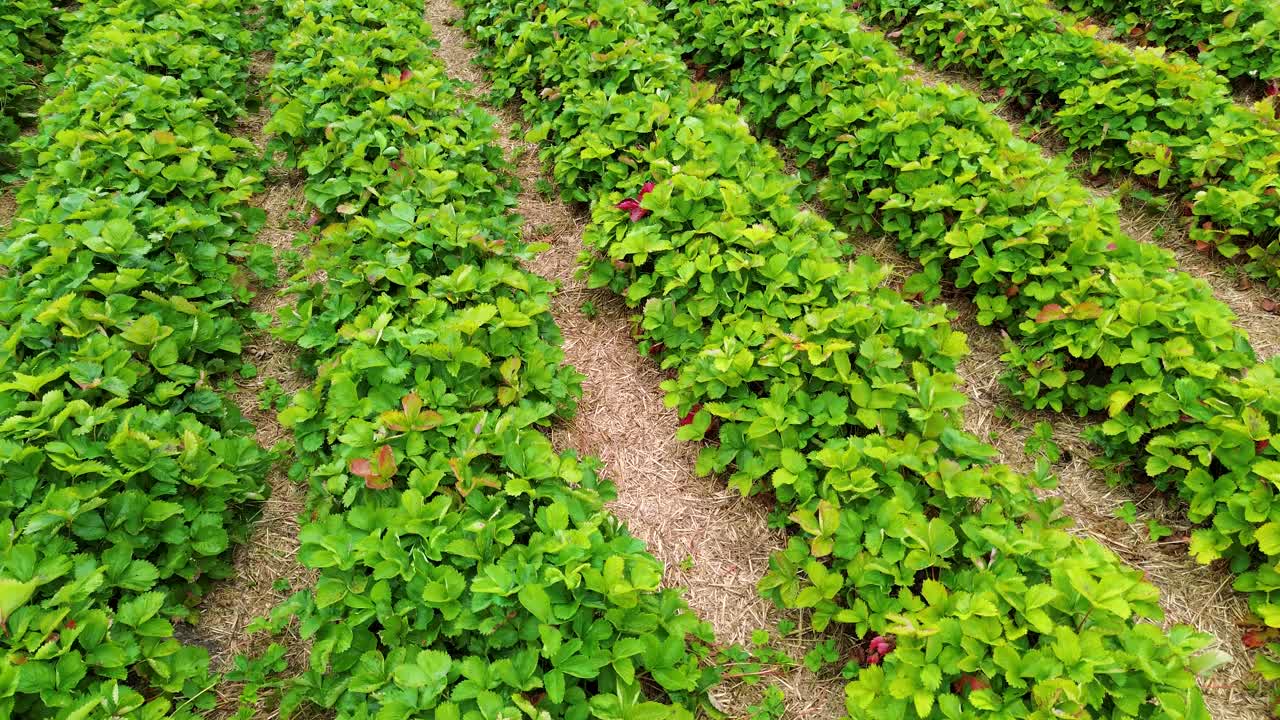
<point>534,598</point>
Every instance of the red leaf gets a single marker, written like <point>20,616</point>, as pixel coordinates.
<point>386,462</point>
<point>1269,305</point>
<point>1253,639</point>
<point>646,189</point>
<point>1202,246</point>
<point>411,404</point>
<point>968,683</point>
<point>632,206</point>
<point>314,219</point>
<point>362,468</point>
<point>895,34</point>
<point>1011,291</point>
<point>960,36</point>
<point>1052,311</point>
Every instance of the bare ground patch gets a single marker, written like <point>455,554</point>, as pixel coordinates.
<point>8,207</point>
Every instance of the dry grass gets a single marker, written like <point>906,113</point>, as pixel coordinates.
<point>710,540</point>
<point>8,206</point>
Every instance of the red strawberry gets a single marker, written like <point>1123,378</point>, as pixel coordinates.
<point>405,74</point>
<point>688,418</point>
<point>1253,639</point>
<point>1261,445</point>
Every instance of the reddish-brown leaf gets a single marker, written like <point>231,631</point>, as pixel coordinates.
<point>1052,311</point>
<point>1086,310</point>
<point>362,467</point>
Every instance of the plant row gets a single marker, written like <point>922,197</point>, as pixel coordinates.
<point>814,383</point>
<point>126,474</point>
<point>1096,321</point>
<point>1235,39</point>
<point>1164,118</point>
<point>465,568</point>
<point>28,38</point>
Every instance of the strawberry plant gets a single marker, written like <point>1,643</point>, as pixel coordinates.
<point>812,382</point>
<point>127,477</point>
<point>465,568</point>
<point>1164,118</point>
